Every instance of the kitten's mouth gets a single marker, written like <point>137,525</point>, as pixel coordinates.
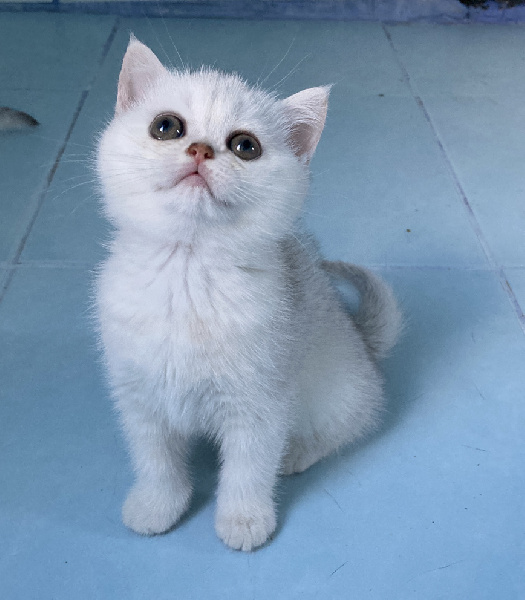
<point>191,178</point>
<point>194,179</point>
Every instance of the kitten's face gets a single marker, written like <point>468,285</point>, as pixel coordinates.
<point>186,150</point>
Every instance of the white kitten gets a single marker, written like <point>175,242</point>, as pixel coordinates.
<point>217,316</point>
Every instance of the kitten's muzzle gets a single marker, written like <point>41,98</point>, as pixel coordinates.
<point>200,152</point>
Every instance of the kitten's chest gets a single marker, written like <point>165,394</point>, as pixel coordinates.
<point>182,332</point>
<point>182,313</point>
<point>186,302</point>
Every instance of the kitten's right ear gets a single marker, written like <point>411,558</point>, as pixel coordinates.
<point>140,68</point>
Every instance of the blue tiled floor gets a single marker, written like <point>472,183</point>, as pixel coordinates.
<point>419,175</point>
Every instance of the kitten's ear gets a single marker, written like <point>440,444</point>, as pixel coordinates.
<point>306,114</point>
<point>140,68</point>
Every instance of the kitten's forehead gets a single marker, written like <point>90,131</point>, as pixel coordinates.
<point>215,101</point>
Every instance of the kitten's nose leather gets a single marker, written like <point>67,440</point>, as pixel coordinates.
<point>200,152</point>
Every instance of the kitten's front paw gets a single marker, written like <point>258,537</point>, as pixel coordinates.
<point>149,511</point>
<point>245,530</point>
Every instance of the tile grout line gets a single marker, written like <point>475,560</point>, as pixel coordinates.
<point>51,263</point>
<point>478,231</point>
<point>63,263</point>
<point>515,302</point>
<point>15,261</point>
<point>47,264</point>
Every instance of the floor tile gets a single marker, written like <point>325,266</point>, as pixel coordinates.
<point>483,137</point>
<point>58,425</point>
<point>28,158</point>
<point>453,441</point>
<point>368,516</point>
<point>63,54</point>
<point>381,191</point>
<point>461,60</point>
<point>70,226</point>
<point>283,55</point>
<point>466,77</point>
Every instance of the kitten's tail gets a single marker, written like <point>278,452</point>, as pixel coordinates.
<point>11,119</point>
<point>378,317</point>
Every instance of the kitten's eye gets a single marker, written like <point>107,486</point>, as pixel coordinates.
<point>166,127</point>
<point>245,146</point>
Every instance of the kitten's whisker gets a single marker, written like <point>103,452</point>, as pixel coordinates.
<point>313,175</point>
<point>291,72</point>
<point>60,141</point>
<point>60,180</point>
<point>173,44</point>
<point>280,62</point>
<point>83,203</point>
<point>83,154</point>
<point>318,215</point>
<point>158,40</point>
<point>72,187</point>
<point>75,161</point>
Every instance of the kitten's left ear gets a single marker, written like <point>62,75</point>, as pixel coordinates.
<point>306,114</point>
<point>140,68</point>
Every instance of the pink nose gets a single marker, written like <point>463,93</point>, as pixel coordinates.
<point>200,152</point>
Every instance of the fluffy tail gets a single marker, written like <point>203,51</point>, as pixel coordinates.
<point>11,119</point>
<point>378,317</point>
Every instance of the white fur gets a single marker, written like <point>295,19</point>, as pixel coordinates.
<point>216,315</point>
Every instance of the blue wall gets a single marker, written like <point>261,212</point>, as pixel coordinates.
<point>440,11</point>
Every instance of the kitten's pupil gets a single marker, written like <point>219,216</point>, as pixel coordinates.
<point>166,127</point>
<point>245,146</point>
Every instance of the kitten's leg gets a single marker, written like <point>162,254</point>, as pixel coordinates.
<point>302,453</point>
<point>251,454</point>
<point>345,418</point>
<point>162,489</point>
<point>341,396</point>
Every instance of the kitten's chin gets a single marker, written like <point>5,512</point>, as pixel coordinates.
<point>192,198</point>
<point>194,180</point>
